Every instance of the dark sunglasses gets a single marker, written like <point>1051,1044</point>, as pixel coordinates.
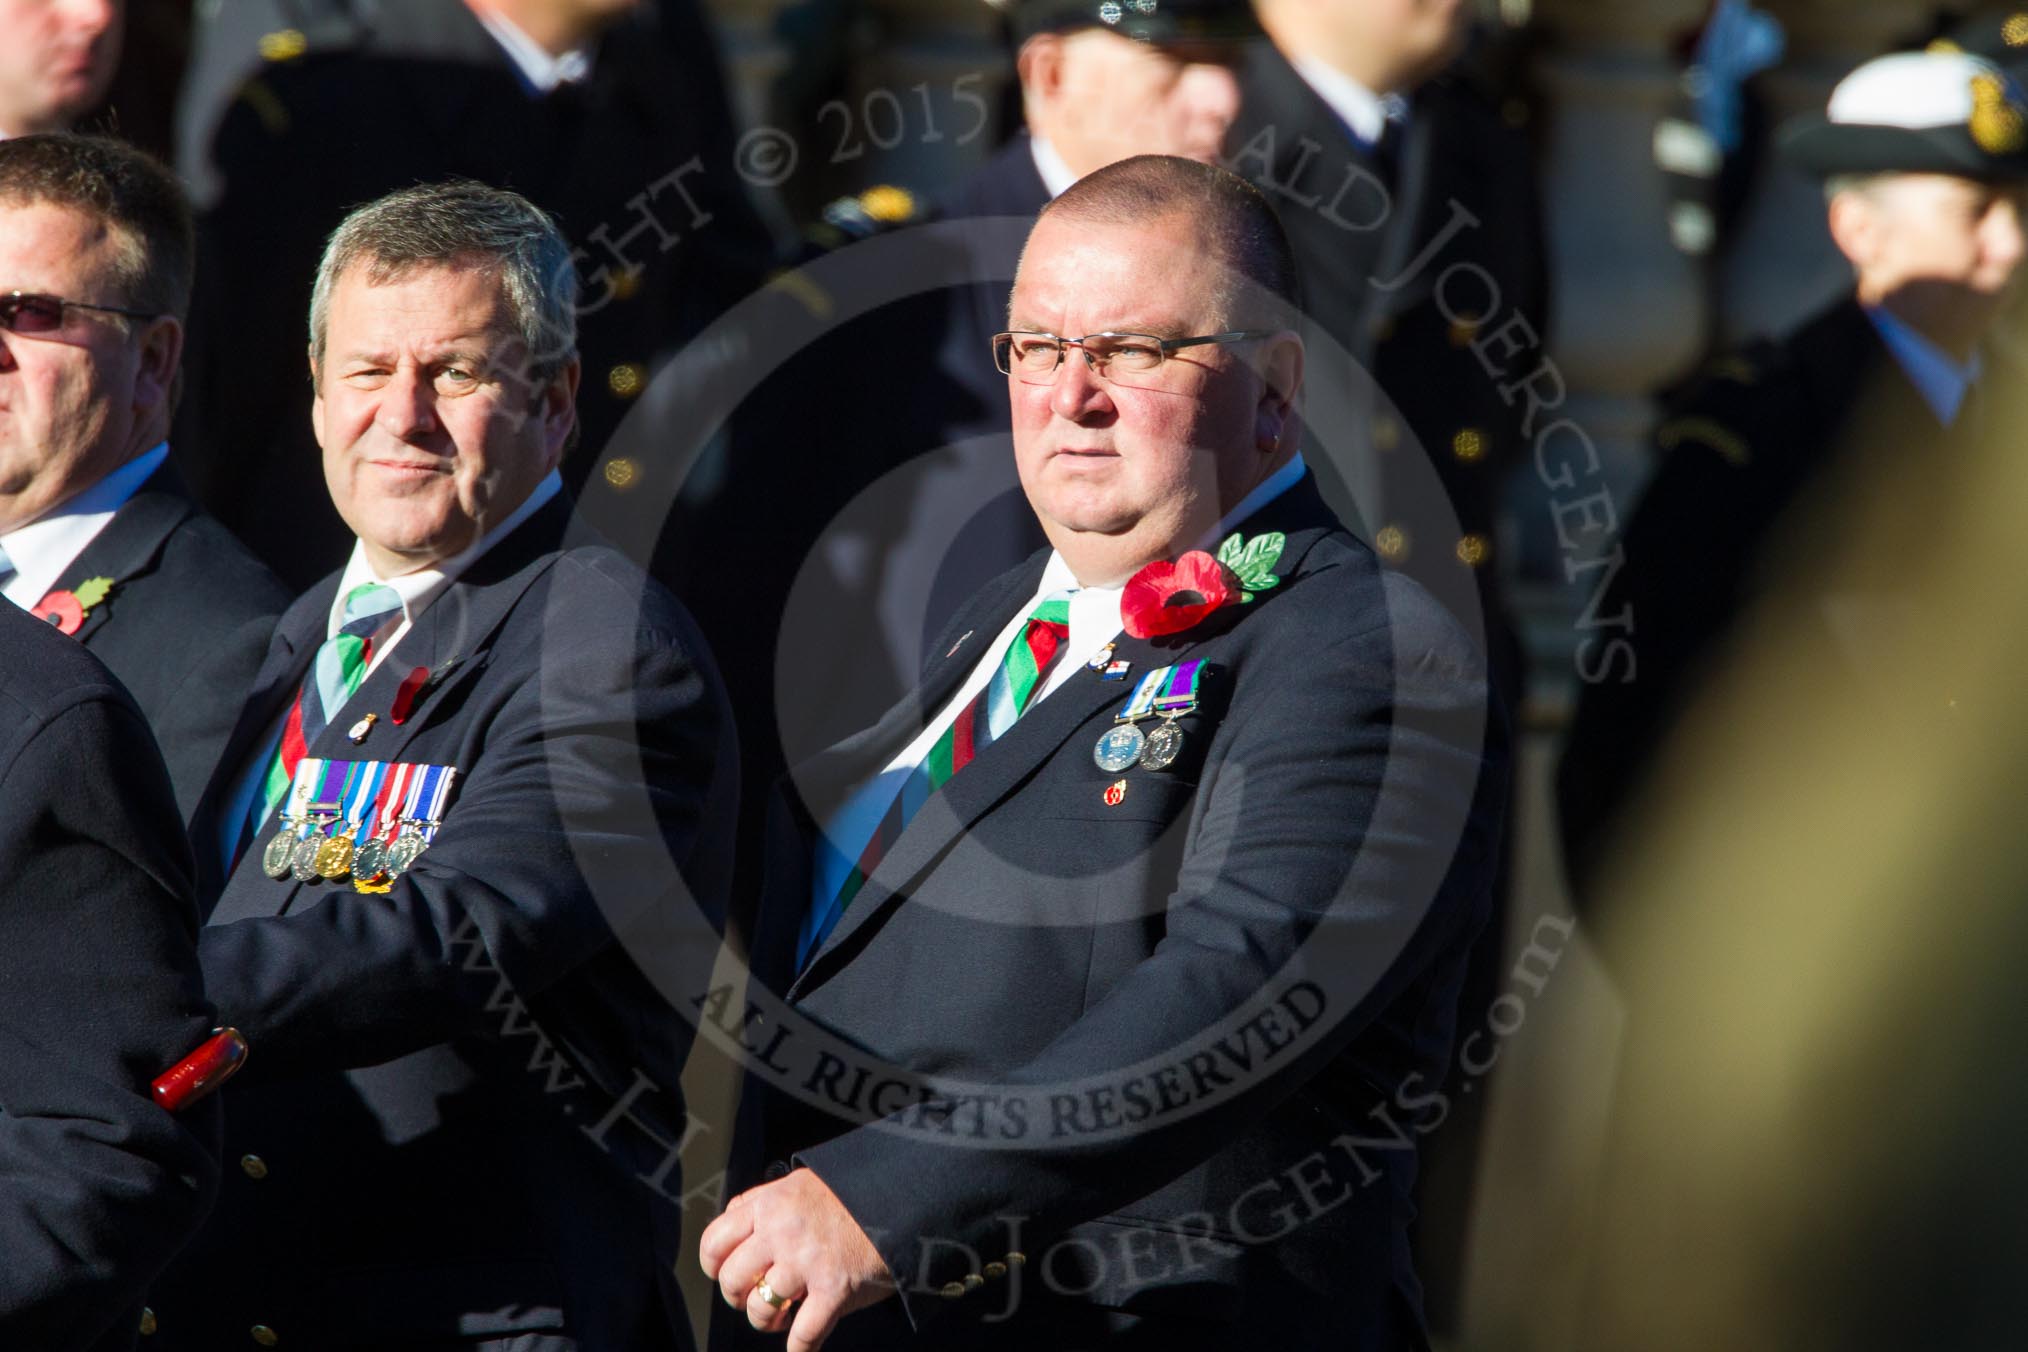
<point>27,312</point>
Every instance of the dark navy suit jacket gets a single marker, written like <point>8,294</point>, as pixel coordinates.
<point>1181,1026</point>
<point>463,1094</point>
<point>99,993</point>
<point>185,626</point>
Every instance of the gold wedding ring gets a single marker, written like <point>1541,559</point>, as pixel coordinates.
<point>767,1293</point>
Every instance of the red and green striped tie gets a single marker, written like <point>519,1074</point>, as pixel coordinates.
<point>335,673</point>
<point>983,721</point>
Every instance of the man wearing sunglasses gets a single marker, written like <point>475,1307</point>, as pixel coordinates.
<point>1119,959</point>
<point>96,533</point>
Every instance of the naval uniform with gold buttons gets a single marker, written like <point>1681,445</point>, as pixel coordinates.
<point>1042,920</point>
<point>421,91</point>
<point>1450,148</point>
<point>1752,464</point>
<point>409,1163</point>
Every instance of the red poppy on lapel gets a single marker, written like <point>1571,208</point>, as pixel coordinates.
<point>1167,598</point>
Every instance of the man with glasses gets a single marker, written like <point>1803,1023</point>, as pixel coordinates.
<point>1119,958</point>
<point>97,535</point>
<point>887,487</point>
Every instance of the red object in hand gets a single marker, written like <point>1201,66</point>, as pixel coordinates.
<point>1167,598</point>
<point>199,1074</point>
<point>61,609</point>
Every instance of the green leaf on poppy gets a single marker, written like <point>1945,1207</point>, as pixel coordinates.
<point>92,591</point>
<point>1254,560</point>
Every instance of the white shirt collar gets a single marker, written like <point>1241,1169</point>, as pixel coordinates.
<point>419,588</point>
<point>1942,380</point>
<point>41,550</point>
<point>1056,175</point>
<point>1364,113</point>
<point>542,72</point>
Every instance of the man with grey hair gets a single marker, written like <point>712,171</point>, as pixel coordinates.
<point>473,813</point>
<point>1924,156</point>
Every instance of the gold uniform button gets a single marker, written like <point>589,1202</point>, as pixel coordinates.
<point>1473,550</point>
<point>973,1281</point>
<point>1469,445</point>
<point>253,1166</point>
<point>2014,32</point>
<point>620,473</point>
<point>284,44</point>
<point>952,1290</point>
<point>1392,542</point>
<point>1017,1259</point>
<point>265,1336</point>
<point>626,379</point>
<point>627,283</point>
<point>996,1270</point>
<point>1463,331</point>
<point>148,1324</point>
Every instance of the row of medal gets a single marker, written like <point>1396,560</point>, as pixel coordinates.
<point>366,820</point>
<point>1166,694</point>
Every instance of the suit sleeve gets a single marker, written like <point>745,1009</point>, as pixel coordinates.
<point>99,993</point>
<point>597,806</point>
<point>1326,848</point>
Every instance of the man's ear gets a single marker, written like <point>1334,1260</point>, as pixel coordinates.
<point>1855,227</point>
<point>556,406</point>
<point>1281,372</point>
<point>1040,67</point>
<point>161,353</point>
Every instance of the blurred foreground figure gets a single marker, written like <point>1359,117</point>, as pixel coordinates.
<point>99,992</point>
<point>1820,1110</point>
<point>57,59</point>
<point>1923,156</point>
<point>609,114</point>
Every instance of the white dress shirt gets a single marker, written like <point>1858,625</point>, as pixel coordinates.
<point>1094,622</point>
<point>1056,175</point>
<point>1942,379</point>
<point>539,70</point>
<point>1364,113</point>
<point>424,585</point>
<point>44,548</point>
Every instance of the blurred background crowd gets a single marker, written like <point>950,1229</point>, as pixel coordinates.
<point>1734,1070</point>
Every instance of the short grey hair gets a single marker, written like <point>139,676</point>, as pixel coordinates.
<point>462,223</point>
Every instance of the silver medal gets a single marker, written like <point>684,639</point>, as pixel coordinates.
<point>1119,748</point>
<point>280,851</point>
<point>1164,744</point>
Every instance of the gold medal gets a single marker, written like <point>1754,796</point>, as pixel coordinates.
<point>334,858</point>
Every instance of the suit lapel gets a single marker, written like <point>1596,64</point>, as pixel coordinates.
<point>128,545</point>
<point>451,640</point>
<point>1040,733</point>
